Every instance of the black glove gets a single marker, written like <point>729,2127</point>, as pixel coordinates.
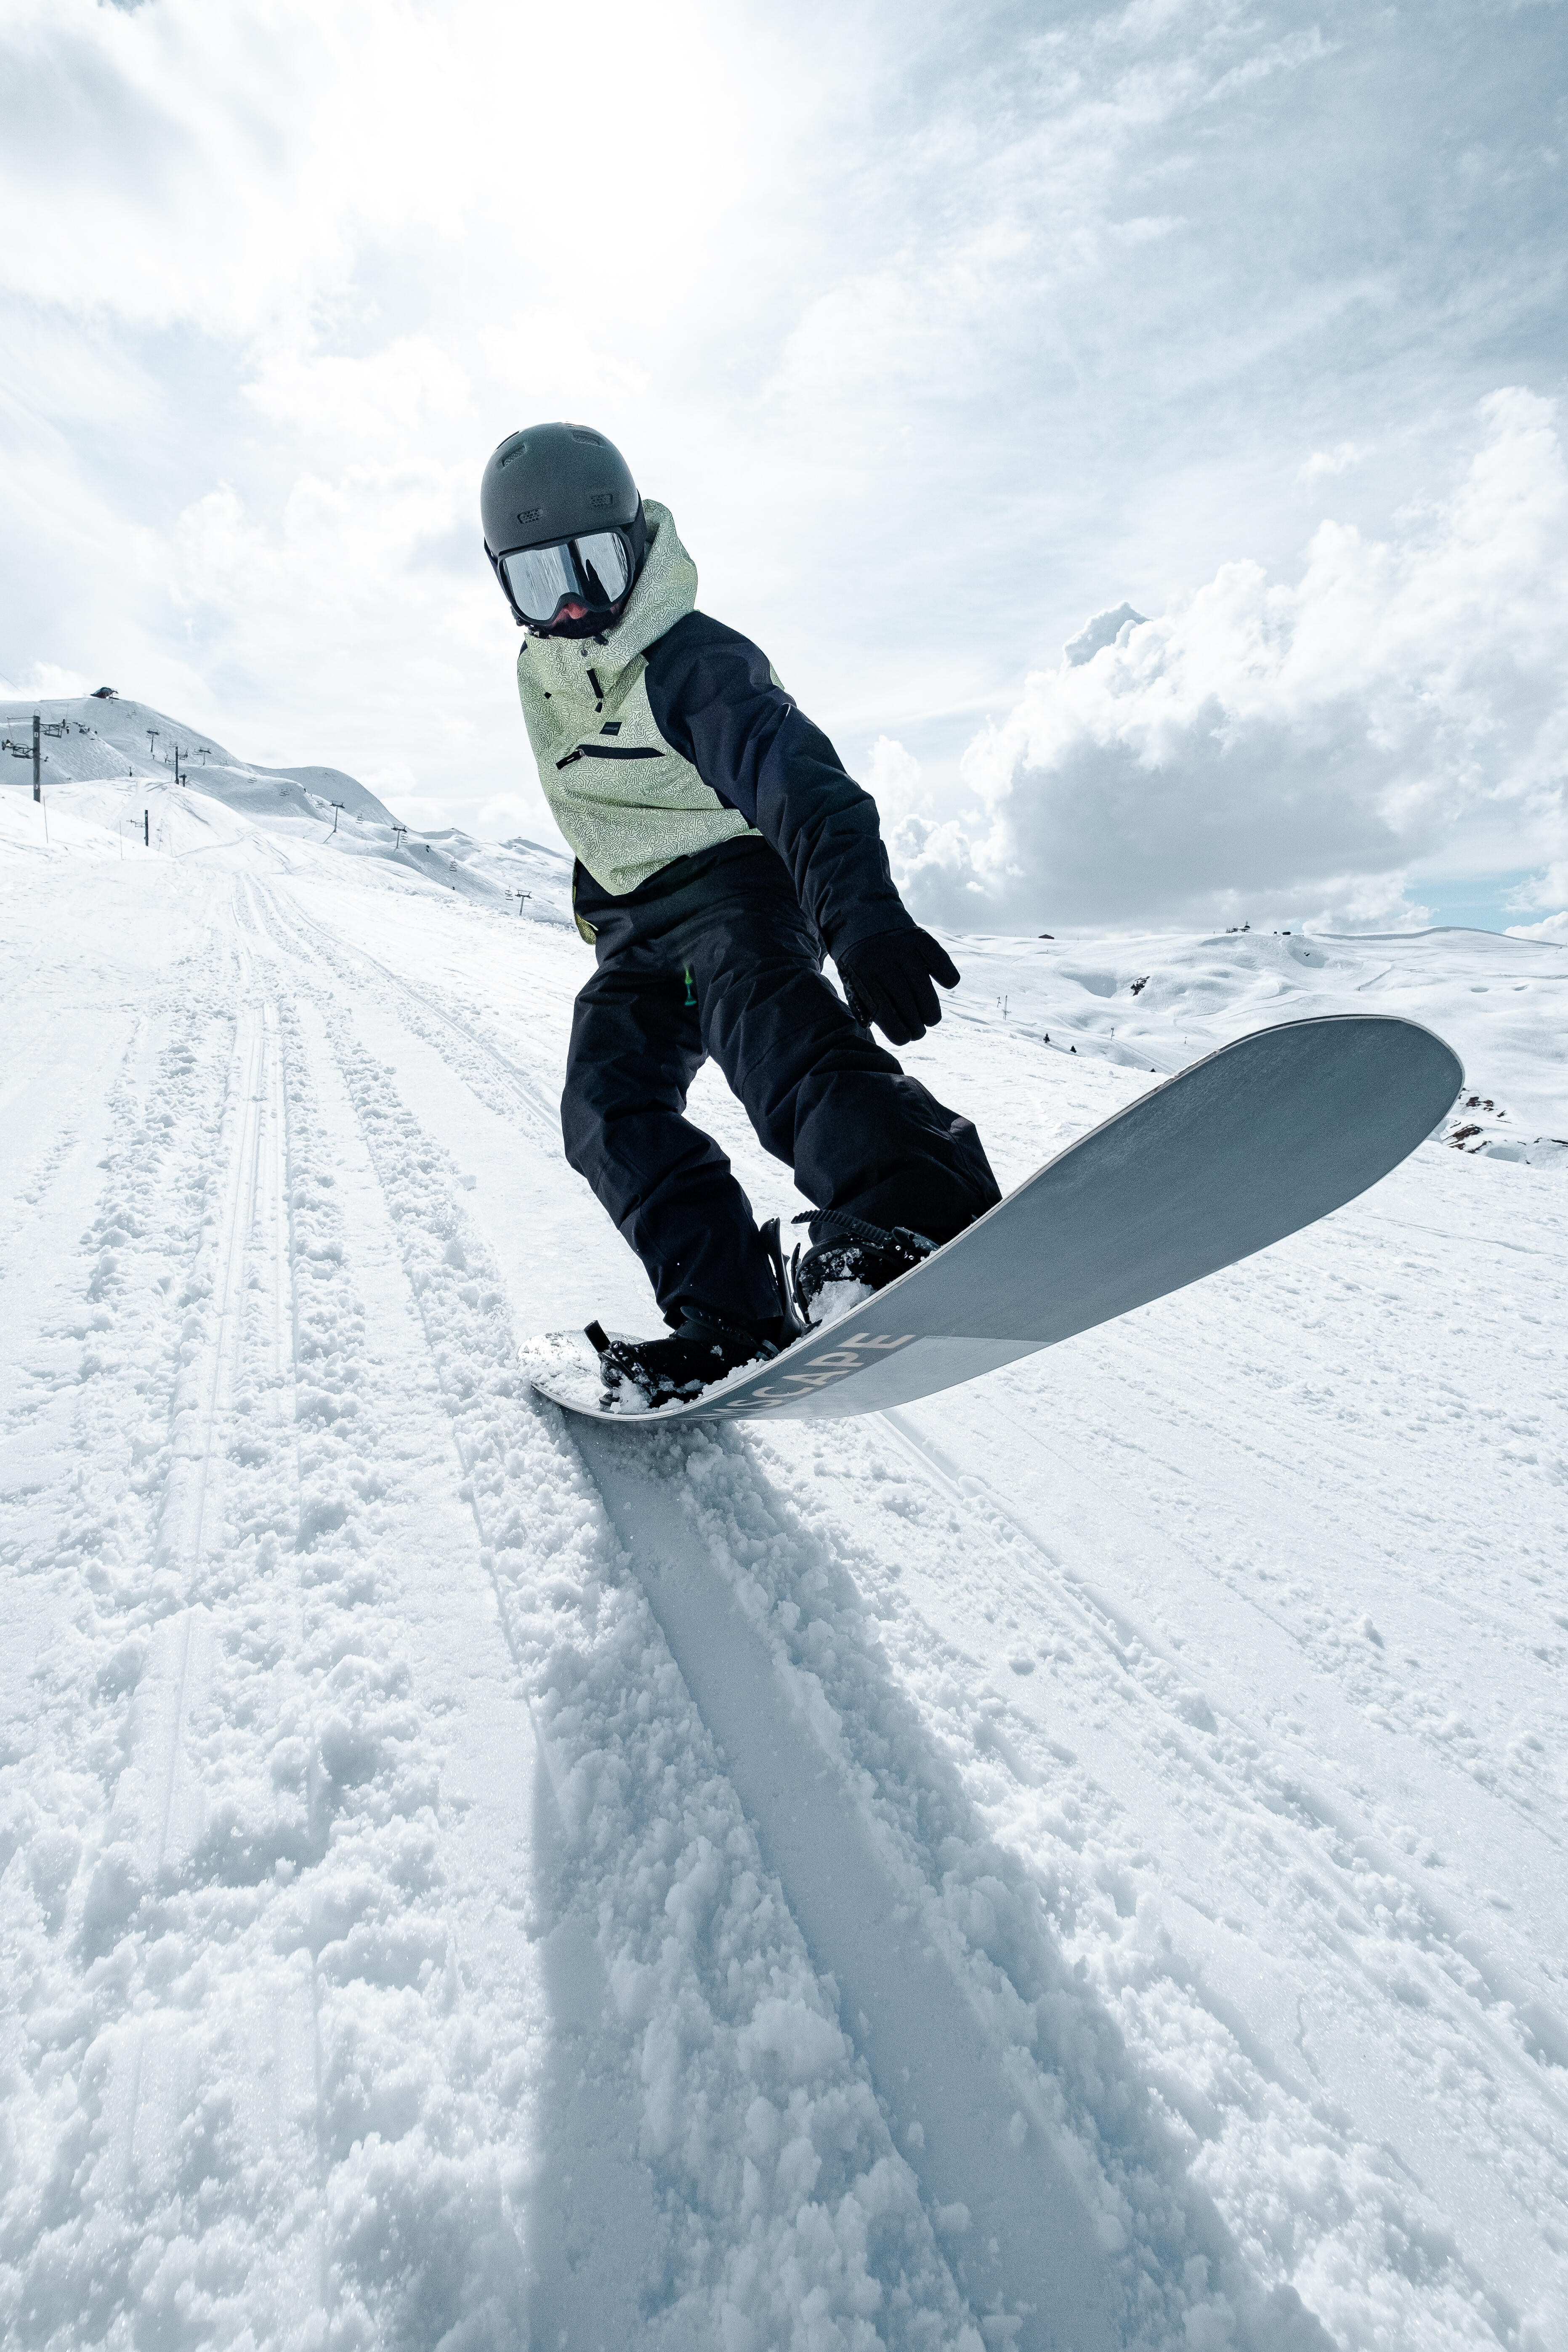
<point>888,980</point>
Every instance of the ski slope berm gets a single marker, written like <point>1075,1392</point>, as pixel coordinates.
<point>1246,1146</point>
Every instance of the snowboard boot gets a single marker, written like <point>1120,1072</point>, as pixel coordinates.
<point>847,1263</point>
<point>700,1351</point>
<point>704,1347</point>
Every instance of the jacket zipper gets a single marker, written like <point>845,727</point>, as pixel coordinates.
<point>610,751</point>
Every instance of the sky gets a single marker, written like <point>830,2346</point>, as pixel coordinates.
<point>944,329</point>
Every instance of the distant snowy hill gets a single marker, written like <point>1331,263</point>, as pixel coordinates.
<point>1155,1003</point>
<point>88,738</point>
<point>103,760</point>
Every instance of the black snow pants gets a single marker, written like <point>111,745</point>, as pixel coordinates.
<point>723,960</point>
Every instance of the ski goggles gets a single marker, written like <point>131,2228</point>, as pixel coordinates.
<point>595,571</point>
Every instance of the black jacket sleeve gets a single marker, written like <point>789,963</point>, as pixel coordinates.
<point>714,701</point>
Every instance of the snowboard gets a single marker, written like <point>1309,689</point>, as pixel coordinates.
<point>1246,1146</point>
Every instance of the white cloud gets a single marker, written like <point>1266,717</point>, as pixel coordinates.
<point>1548,888</point>
<point>1288,746</point>
<point>418,809</point>
<point>43,682</point>
<point>1324,463</point>
<point>894,779</point>
<point>930,323</point>
<point>1112,628</point>
<point>1552,927</point>
<point>220,164</point>
<point>1280,57</point>
<point>406,393</point>
<point>555,360</point>
<point>505,814</point>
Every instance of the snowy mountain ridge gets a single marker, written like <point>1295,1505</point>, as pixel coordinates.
<point>100,736</point>
<point>106,759</point>
<point>1080,1860</point>
<point>1154,1002</point>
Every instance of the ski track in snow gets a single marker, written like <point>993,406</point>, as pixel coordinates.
<point>1079,1861</point>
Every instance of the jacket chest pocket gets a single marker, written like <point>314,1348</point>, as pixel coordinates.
<point>610,751</point>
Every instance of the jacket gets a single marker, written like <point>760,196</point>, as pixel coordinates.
<point>671,733</point>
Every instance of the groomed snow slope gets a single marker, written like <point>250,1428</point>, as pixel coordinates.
<point>1080,1861</point>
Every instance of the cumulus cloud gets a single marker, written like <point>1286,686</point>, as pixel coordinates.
<point>894,778</point>
<point>1553,927</point>
<point>1300,747</point>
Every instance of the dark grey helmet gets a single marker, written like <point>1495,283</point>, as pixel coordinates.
<point>552,486</point>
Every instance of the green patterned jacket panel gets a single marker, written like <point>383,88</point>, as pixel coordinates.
<point>625,801</point>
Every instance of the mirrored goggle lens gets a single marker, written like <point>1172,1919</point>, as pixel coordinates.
<point>595,571</point>
<point>539,578</point>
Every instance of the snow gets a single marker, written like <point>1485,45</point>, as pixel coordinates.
<point>1079,1861</point>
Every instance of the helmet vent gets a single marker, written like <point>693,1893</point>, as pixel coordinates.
<point>601,497</point>
<point>531,514</point>
<point>579,433</point>
<point>513,450</point>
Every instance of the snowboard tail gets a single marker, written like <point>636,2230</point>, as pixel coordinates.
<point>1242,1148</point>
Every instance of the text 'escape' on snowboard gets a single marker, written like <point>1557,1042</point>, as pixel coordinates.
<point>1246,1146</point>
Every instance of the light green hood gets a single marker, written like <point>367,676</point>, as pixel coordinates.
<point>627,801</point>
<point>666,589</point>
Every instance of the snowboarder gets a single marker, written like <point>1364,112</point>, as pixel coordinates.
<point>720,849</point>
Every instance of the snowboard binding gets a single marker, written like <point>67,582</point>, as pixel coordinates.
<point>847,1262</point>
<point>705,1348</point>
<point>679,1368</point>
